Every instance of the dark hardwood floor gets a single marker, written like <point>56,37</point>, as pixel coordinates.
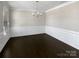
<point>37,46</point>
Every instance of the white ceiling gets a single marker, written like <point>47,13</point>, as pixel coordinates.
<point>30,5</point>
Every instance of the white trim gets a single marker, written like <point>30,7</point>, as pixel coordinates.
<point>27,30</point>
<point>40,0</point>
<point>3,39</point>
<point>59,6</point>
<point>69,37</point>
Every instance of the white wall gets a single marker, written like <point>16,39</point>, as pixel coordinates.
<point>1,17</point>
<point>4,32</point>
<point>65,17</point>
<point>69,37</point>
<point>27,30</point>
<point>23,23</point>
<point>63,24</point>
<point>25,18</point>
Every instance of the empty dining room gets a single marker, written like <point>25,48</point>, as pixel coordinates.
<point>39,29</point>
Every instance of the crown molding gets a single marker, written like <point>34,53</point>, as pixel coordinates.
<point>59,6</point>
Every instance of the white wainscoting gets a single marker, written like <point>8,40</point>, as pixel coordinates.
<point>67,36</point>
<point>3,39</point>
<point>27,30</point>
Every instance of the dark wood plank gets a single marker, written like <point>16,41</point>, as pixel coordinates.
<point>38,46</point>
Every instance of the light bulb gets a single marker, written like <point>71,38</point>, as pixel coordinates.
<point>40,14</point>
<point>5,33</point>
<point>33,14</point>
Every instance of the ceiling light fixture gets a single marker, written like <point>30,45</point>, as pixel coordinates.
<point>36,12</point>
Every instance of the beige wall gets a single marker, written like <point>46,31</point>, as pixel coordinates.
<point>65,17</point>
<point>25,18</point>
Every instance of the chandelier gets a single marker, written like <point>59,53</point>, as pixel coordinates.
<point>36,12</point>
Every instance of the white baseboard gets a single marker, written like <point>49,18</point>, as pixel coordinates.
<point>27,30</point>
<point>69,37</point>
